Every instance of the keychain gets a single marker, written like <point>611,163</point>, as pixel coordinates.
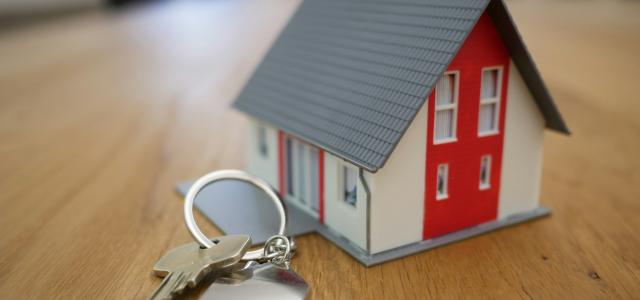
<point>258,281</point>
<point>241,273</point>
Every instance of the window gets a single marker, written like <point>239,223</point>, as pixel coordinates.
<point>489,101</point>
<point>302,175</point>
<point>289,165</point>
<point>442,184</point>
<point>350,183</point>
<point>314,176</point>
<point>262,141</point>
<point>446,108</point>
<point>485,172</point>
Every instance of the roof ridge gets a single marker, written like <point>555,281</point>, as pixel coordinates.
<point>434,16</point>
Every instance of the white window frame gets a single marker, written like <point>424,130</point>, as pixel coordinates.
<point>289,157</point>
<point>485,185</point>
<point>454,106</point>
<point>342,182</point>
<point>445,195</point>
<point>495,100</point>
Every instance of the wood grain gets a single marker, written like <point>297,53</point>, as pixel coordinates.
<point>102,113</point>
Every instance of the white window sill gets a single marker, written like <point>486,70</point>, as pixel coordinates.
<point>488,133</point>
<point>490,100</point>
<point>445,141</point>
<point>442,197</point>
<point>484,187</point>
<point>352,206</point>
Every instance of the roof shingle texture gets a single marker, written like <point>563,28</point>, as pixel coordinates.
<point>350,75</point>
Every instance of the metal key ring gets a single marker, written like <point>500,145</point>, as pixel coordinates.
<point>212,177</point>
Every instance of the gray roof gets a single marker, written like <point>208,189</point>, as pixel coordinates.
<point>350,75</point>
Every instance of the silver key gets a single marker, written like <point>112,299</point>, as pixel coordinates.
<point>188,264</point>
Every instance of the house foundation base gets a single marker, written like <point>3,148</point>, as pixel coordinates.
<point>238,208</point>
<point>374,259</point>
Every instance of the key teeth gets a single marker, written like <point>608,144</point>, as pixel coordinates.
<point>175,288</point>
<point>195,277</point>
<point>165,291</point>
<point>184,280</point>
<point>192,282</point>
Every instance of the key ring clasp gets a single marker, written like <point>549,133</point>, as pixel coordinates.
<point>212,177</point>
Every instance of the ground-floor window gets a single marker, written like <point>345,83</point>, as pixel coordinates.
<point>261,133</point>
<point>302,174</point>
<point>442,182</point>
<point>485,172</point>
<point>350,185</point>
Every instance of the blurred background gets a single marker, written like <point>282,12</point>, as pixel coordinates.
<point>14,12</point>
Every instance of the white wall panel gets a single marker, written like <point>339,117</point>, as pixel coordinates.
<point>397,205</point>
<point>522,152</point>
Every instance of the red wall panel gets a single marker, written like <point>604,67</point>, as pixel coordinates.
<point>467,205</point>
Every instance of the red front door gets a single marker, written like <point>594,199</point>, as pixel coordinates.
<point>464,141</point>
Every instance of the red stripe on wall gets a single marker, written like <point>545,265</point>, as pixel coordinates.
<point>321,186</point>
<point>281,182</point>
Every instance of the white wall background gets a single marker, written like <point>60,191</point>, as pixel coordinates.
<point>25,7</point>
<point>522,152</point>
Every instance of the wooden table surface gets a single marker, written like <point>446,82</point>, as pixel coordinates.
<point>102,113</point>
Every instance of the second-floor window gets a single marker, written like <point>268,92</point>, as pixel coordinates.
<point>446,108</point>
<point>489,101</point>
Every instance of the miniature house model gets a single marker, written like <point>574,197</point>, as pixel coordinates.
<point>397,123</point>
